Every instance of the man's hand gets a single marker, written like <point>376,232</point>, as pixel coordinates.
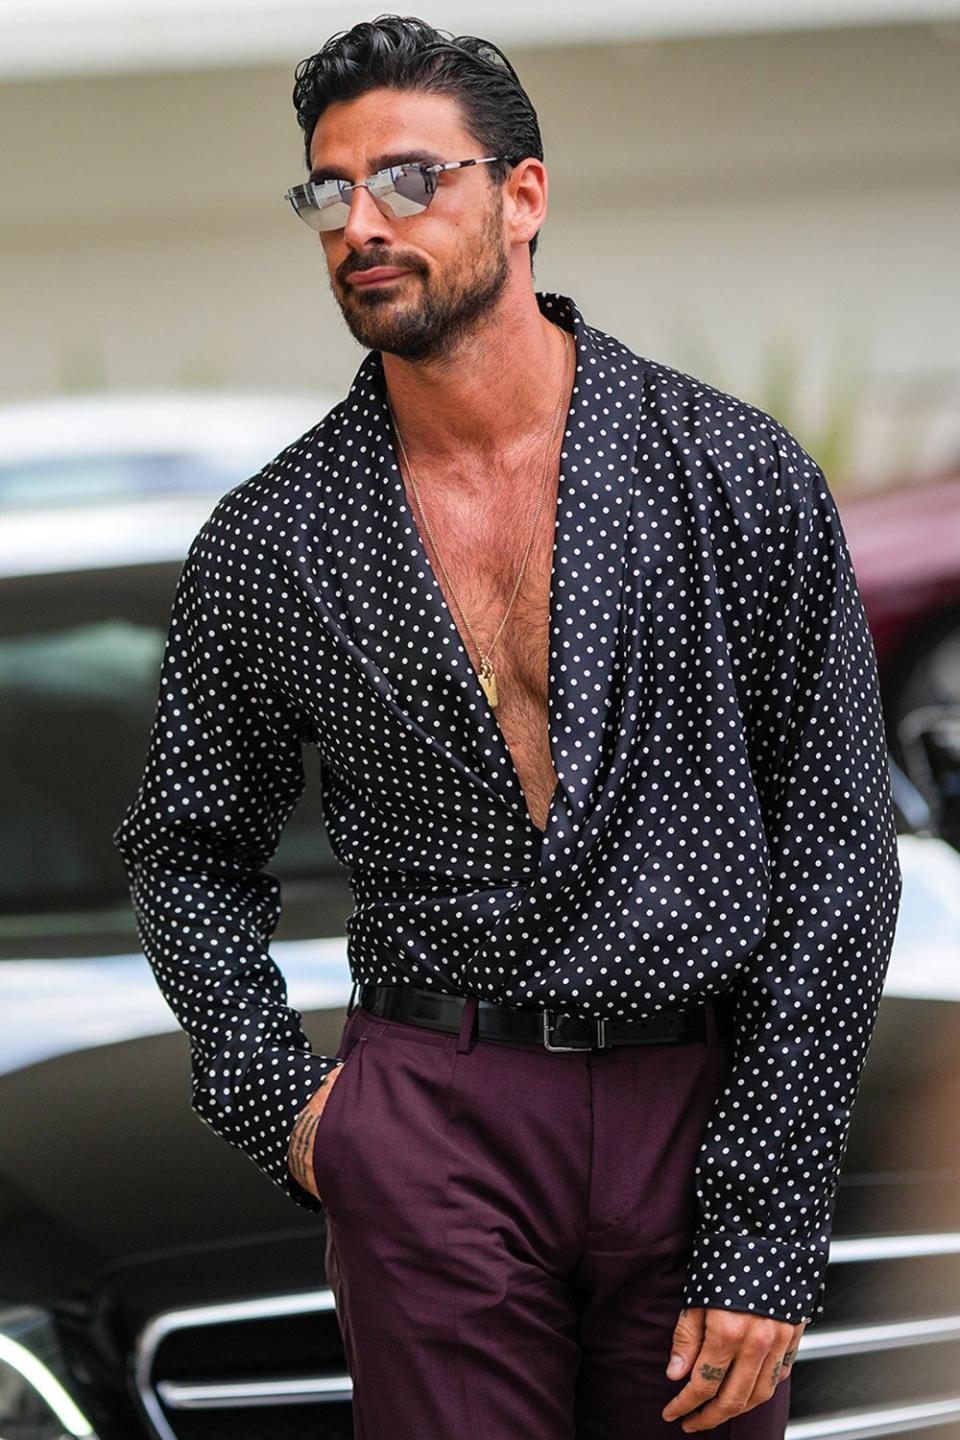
<point>735,1360</point>
<point>300,1149</point>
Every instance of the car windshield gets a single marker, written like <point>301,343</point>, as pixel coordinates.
<point>80,660</point>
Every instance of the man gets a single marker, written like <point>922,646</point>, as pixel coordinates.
<point>578,639</point>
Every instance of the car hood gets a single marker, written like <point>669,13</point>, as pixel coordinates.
<point>99,1132</point>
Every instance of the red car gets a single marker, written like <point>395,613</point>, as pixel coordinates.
<point>905,545</point>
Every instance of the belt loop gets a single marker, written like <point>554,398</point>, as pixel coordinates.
<point>350,1002</point>
<point>710,1019</point>
<point>467,1036</point>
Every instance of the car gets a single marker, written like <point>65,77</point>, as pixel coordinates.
<point>130,475</point>
<point>152,1282</point>
<point>905,546</point>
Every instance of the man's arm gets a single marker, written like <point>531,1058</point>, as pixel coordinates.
<point>809,994</point>
<point>224,770</point>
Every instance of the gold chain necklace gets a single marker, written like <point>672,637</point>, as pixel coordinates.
<point>486,672</point>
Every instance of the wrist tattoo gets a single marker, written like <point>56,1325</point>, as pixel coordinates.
<point>301,1148</point>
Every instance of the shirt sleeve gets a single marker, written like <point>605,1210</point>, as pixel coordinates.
<point>223,772</point>
<point>809,994</point>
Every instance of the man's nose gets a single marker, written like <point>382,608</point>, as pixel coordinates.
<point>366,222</point>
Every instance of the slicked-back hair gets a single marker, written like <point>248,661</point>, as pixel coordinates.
<point>400,52</point>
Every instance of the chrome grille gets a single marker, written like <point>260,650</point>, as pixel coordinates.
<point>277,1357</point>
<point>890,1367</point>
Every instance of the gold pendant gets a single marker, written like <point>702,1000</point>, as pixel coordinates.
<point>489,681</point>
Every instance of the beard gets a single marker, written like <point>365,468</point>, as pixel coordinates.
<point>430,325</point>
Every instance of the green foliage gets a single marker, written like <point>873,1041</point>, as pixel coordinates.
<point>832,434</point>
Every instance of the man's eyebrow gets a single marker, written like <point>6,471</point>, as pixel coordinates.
<point>377,162</point>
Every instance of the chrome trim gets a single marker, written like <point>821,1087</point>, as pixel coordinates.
<point>156,1330</point>
<point>879,1420</point>
<point>178,1395</point>
<point>855,1339</point>
<point>893,1247</point>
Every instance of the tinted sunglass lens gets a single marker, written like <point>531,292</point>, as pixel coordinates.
<point>414,185</point>
<point>332,216</point>
<point>400,189</point>
<point>329,217</point>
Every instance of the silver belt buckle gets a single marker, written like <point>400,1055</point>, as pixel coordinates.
<point>601,1039</point>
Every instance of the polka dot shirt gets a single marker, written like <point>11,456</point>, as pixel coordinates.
<point>723,817</point>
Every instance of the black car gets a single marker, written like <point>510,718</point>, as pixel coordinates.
<point>152,1281</point>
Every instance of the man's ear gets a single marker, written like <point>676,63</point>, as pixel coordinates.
<point>525,199</point>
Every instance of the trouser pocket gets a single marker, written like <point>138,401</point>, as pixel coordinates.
<point>325,1142</point>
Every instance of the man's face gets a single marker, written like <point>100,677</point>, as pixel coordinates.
<point>453,255</point>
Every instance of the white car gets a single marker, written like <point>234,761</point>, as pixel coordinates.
<point>124,479</point>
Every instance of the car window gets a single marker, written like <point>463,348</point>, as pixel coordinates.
<point>80,657</point>
<point>73,479</point>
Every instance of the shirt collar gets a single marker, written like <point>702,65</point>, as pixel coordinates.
<point>593,505</point>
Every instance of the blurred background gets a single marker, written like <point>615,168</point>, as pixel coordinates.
<point>763,194</point>
<point>766,196</point>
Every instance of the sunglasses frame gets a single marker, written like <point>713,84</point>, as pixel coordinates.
<point>305,199</point>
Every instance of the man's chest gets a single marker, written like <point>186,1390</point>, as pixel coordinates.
<point>492,560</point>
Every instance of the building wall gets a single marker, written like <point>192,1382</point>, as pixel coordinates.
<point>734,206</point>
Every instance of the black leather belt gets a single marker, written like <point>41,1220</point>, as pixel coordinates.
<point>554,1029</point>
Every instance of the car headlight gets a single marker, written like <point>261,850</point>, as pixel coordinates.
<point>34,1401</point>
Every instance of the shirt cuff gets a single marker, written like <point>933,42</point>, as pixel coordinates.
<point>277,1087</point>
<point>766,1277</point>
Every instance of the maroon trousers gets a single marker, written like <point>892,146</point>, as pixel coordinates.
<point>508,1231</point>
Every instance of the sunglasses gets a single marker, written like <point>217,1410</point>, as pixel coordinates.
<point>398,190</point>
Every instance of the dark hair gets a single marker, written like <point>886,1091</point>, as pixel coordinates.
<point>400,52</point>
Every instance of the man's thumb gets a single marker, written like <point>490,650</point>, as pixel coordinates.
<point>686,1343</point>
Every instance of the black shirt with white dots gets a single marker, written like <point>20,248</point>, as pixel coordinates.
<point>723,817</point>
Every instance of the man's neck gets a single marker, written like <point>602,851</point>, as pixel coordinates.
<point>491,396</point>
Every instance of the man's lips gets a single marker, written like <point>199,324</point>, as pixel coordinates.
<point>375,277</point>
